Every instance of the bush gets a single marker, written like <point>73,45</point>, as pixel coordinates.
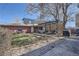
<point>5,40</point>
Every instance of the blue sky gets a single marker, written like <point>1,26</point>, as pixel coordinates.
<point>9,12</point>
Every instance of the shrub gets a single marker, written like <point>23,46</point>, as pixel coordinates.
<point>5,40</point>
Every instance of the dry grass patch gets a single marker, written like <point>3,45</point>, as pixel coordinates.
<point>5,40</point>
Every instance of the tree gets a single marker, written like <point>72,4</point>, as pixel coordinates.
<point>45,10</point>
<point>53,10</point>
<point>37,8</point>
<point>65,7</point>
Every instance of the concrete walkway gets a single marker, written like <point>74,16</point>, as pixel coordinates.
<point>64,47</point>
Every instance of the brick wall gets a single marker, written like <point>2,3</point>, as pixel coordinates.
<point>27,28</point>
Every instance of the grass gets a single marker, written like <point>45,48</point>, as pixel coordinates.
<point>26,39</point>
<point>22,39</point>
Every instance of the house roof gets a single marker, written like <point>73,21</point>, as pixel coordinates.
<point>53,22</point>
<point>18,25</point>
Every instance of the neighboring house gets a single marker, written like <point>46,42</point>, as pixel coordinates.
<point>27,21</point>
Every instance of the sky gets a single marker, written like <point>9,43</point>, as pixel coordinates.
<point>9,12</point>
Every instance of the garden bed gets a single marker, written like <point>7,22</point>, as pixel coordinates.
<point>20,47</point>
<point>26,39</point>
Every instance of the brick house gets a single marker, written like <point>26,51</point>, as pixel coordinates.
<point>16,28</point>
<point>28,28</point>
<point>44,27</point>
